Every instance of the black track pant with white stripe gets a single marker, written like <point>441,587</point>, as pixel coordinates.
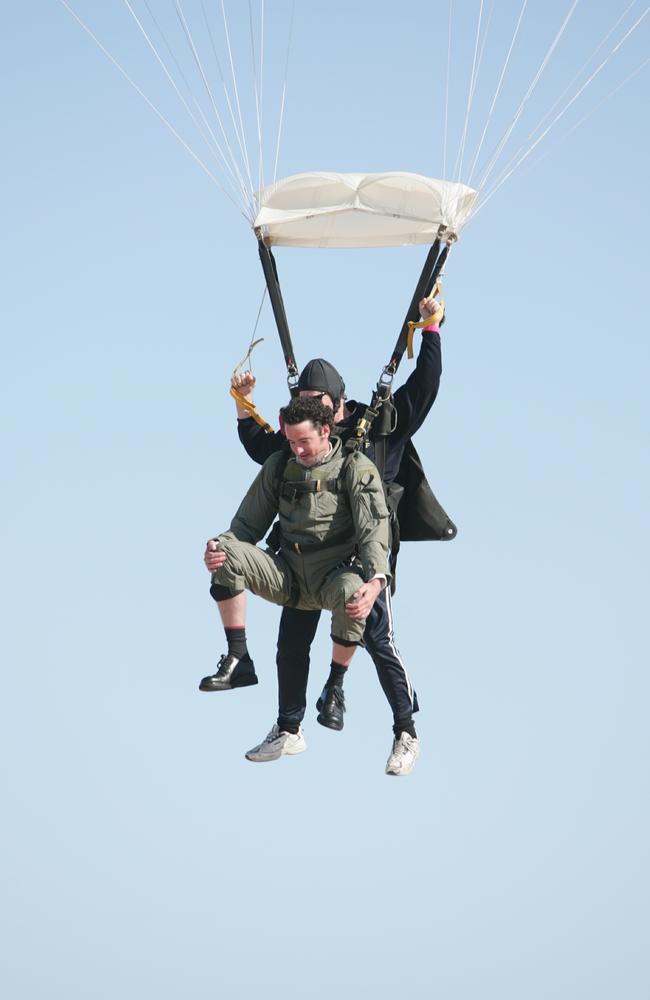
<point>297,631</point>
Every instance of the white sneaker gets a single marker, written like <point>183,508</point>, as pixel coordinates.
<point>276,744</point>
<point>404,754</point>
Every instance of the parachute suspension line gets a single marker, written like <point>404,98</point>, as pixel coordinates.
<point>470,94</point>
<point>587,116</point>
<point>602,101</point>
<point>444,145</point>
<point>212,145</point>
<point>561,114</point>
<point>144,97</point>
<point>497,93</point>
<point>527,95</point>
<point>240,139</point>
<point>262,96</point>
<point>531,135</point>
<point>258,91</point>
<point>584,66</point>
<point>235,90</point>
<point>172,56</point>
<point>284,93</point>
<point>168,47</point>
<point>480,57</point>
<point>189,89</point>
<point>253,343</point>
<point>243,401</point>
<point>190,41</point>
<point>483,45</point>
<point>171,80</point>
<point>257,319</point>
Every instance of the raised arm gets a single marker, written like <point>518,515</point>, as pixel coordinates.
<point>259,444</point>
<point>414,399</point>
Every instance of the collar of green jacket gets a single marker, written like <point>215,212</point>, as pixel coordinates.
<point>295,471</point>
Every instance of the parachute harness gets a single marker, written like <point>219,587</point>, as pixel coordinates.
<point>380,416</point>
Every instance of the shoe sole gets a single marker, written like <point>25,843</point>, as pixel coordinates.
<point>329,723</point>
<point>323,720</point>
<point>282,753</point>
<point>243,682</point>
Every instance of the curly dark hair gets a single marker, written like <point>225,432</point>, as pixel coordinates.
<point>307,408</point>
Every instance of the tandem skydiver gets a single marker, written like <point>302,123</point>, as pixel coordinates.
<point>298,627</point>
<point>333,535</point>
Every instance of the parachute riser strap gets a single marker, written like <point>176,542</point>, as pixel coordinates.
<point>413,310</point>
<point>432,270</point>
<point>248,405</point>
<point>432,320</point>
<point>382,396</point>
<point>277,304</point>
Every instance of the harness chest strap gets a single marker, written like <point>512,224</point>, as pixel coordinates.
<point>291,491</point>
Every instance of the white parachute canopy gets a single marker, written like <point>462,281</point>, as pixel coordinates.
<point>361,210</point>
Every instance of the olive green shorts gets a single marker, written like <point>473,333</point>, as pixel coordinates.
<point>288,581</point>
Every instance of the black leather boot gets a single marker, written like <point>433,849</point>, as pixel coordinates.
<point>231,673</point>
<point>331,706</point>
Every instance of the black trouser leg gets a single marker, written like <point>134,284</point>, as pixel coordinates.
<point>380,643</point>
<point>297,631</point>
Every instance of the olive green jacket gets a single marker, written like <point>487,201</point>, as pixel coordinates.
<point>355,517</point>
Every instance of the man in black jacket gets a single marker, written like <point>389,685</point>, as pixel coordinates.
<point>412,403</point>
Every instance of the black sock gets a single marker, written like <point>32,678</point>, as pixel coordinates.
<point>405,726</point>
<point>236,639</point>
<point>337,675</point>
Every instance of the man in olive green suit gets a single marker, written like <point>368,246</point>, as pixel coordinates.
<point>332,546</point>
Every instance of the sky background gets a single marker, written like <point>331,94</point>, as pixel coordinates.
<point>142,854</point>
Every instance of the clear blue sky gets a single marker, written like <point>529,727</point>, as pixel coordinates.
<point>143,856</point>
